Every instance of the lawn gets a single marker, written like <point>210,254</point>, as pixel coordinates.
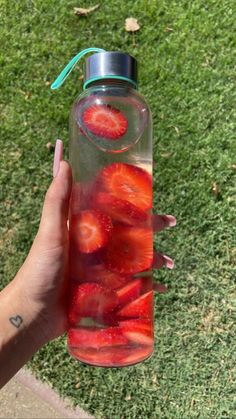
<point>186,52</point>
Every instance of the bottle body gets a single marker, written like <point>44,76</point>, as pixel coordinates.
<point>111,240</point>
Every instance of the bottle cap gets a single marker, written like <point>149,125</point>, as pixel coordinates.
<point>102,65</point>
<point>112,65</point>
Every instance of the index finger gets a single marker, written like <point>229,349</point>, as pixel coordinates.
<point>160,222</point>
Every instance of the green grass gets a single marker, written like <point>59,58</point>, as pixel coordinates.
<point>187,75</point>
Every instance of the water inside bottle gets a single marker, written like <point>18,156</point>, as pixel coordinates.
<point>111,296</point>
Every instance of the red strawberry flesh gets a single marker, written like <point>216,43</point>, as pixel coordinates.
<point>130,250</point>
<point>142,307</point>
<point>105,121</point>
<point>129,292</point>
<point>101,275</point>
<point>138,330</point>
<point>111,356</point>
<point>91,230</point>
<point>91,300</point>
<point>128,182</point>
<point>119,210</point>
<point>96,338</point>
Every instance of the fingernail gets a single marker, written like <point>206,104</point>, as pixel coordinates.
<point>58,153</point>
<point>169,263</point>
<point>171,220</point>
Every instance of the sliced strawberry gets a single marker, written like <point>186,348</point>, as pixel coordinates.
<point>96,338</point>
<point>119,210</point>
<point>140,308</point>
<point>138,331</point>
<point>129,292</point>
<point>91,300</point>
<point>115,356</point>
<point>147,280</point>
<point>106,357</point>
<point>105,121</point>
<point>91,230</point>
<point>98,273</point>
<point>73,317</point>
<point>128,182</point>
<point>130,250</point>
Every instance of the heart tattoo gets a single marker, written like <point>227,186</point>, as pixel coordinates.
<point>16,321</point>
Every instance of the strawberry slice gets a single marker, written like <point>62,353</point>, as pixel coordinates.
<point>99,274</point>
<point>129,292</point>
<point>106,357</point>
<point>128,182</point>
<point>96,338</point>
<point>130,250</point>
<point>109,356</point>
<point>119,210</point>
<point>105,121</point>
<point>138,331</point>
<point>141,308</point>
<point>91,230</point>
<point>91,300</point>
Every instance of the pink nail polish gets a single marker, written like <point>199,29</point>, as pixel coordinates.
<point>58,153</point>
<point>169,263</point>
<point>171,220</point>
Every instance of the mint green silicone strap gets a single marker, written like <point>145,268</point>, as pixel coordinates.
<point>69,67</point>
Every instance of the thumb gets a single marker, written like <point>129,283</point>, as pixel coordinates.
<point>53,225</point>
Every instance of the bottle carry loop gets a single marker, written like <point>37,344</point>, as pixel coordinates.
<point>69,67</point>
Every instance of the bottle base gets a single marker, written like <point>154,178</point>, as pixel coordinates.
<point>111,357</point>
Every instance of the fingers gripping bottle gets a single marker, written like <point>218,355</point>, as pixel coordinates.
<point>111,241</point>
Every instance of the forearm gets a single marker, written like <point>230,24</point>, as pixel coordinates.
<point>20,331</point>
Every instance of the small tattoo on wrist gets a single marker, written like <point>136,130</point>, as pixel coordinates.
<point>16,321</point>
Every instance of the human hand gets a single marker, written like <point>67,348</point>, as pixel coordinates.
<point>43,275</point>
<point>33,304</point>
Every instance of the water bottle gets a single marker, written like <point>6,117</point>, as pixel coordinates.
<point>110,309</point>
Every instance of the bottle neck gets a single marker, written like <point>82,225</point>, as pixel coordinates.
<point>111,82</point>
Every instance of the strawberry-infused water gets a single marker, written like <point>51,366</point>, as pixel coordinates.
<point>110,309</point>
<point>111,243</point>
<point>111,253</point>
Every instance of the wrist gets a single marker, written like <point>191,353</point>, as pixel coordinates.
<point>19,337</point>
<point>20,319</point>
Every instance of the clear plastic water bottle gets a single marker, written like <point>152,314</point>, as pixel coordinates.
<point>111,240</point>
